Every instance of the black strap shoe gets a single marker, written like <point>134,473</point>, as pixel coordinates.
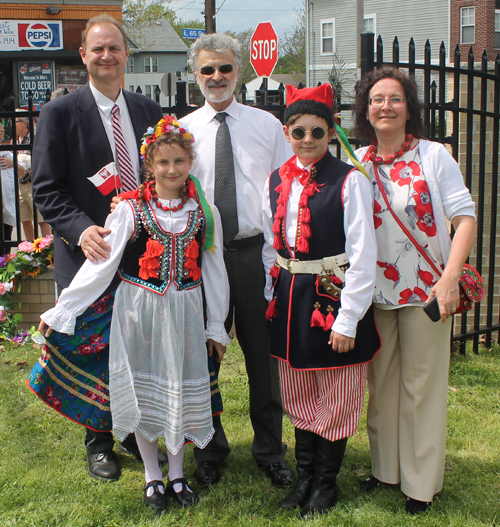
<point>185,497</point>
<point>157,500</point>
<point>370,484</point>
<point>103,466</point>
<point>417,507</point>
<point>280,474</point>
<point>207,473</point>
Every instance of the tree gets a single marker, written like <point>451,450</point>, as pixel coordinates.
<point>292,58</point>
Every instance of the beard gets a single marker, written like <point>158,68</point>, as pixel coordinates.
<point>222,94</point>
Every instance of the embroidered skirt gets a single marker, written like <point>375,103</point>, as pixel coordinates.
<point>72,374</point>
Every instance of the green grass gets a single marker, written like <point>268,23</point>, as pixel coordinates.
<point>44,483</point>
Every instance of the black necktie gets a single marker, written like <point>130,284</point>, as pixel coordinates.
<point>225,186</point>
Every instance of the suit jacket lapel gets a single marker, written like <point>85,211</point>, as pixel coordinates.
<point>93,131</point>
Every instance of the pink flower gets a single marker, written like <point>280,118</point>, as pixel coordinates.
<point>3,316</point>
<point>27,247</point>
<point>2,288</point>
<point>45,242</point>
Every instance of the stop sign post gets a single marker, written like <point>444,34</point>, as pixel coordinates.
<point>264,49</point>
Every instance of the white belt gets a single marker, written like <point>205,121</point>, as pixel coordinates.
<point>328,265</point>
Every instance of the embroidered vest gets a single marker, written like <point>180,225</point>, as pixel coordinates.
<point>173,256</point>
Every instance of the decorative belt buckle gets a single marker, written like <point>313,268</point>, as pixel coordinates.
<point>330,288</point>
<point>289,264</point>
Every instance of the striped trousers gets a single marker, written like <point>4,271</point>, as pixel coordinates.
<point>326,402</point>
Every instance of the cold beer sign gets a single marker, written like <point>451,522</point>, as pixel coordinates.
<point>264,49</point>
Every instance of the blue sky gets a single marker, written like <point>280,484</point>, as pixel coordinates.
<point>238,15</point>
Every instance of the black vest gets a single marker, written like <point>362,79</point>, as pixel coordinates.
<point>175,245</point>
<point>292,337</point>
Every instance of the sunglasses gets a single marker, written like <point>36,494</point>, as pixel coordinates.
<point>299,133</point>
<point>210,70</point>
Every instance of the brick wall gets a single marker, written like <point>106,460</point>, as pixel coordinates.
<point>37,295</point>
<point>484,29</point>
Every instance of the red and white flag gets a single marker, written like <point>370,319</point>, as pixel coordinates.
<point>107,179</point>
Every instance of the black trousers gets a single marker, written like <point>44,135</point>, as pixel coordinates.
<point>247,280</point>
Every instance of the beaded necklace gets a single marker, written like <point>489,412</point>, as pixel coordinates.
<point>389,160</point>
<point>165,208</point>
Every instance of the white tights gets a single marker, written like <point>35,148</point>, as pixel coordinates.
<point>149,453</point>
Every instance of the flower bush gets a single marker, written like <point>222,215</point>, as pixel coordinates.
<point>30,260</point>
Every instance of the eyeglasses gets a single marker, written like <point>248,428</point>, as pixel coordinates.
<point>210,70</point>
<point>395,102</point>
<point>299,133</point>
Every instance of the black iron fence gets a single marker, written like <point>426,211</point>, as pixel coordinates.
<point>461,110</point>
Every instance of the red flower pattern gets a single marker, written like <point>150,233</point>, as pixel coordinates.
<point>377,209</point>
<point>426,277</point>
<point>94,339</point>
<point>391,271</point>
<point>402,173</point>
<point>101,308</point>
<point>85,349</point>
<point>49,393</point>
<point>56,403</point>
<point>408,296</point>
<point>99,347</point>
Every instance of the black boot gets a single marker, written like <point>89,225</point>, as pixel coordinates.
<point>327,462</point>
<point>305,442</point>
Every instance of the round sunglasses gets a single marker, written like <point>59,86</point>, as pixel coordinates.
<point>299,133</point>
<point>210,70</point>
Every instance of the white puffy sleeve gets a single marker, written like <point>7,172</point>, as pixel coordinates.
<point>93,278</point>
<point>216,286</point>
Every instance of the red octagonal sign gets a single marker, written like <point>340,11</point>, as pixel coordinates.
<point>264,49</point>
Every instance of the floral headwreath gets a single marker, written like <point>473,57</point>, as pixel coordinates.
<point>164,126</point>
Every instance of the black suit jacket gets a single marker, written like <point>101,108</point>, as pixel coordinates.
<point>70,146</point>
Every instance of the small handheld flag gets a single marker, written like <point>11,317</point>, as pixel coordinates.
<point>107,179</point>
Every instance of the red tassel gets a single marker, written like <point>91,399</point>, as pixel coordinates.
<point>280,211</point>
<point>271,310</point>
<point>195,274</point>
<point>317,318</point>
<point>303,245</point>
<point>305,229</point>
<point>190,263</point>
<point>329,320</point>
<point>277,226</point>
<point>303,201</point>
<point>275,271</point>
<point>153,249</point>
<point>278,243</point>
<point>193,250</point>
<point>305,215</point>
<point>279,189</point>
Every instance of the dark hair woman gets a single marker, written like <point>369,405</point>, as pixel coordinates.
<point>417,187</point>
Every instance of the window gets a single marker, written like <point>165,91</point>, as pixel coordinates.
<point>327,36</point>
<point>467,25</point>
<point>130,65</point>
<point>151,64</point>
<point>370,24</point>
<point>497,28</point>
<point>150,90</point>
<point>131,87</point>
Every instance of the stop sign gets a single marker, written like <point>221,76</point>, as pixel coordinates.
<point>264,49</point>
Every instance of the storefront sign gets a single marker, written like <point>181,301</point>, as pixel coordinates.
<point>71,79</point>
<point>37,77</point>
<point>18,35</point>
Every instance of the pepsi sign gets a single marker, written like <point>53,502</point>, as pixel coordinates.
<point>16,35</point>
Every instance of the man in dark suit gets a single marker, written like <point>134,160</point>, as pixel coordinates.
<point>75,139</point>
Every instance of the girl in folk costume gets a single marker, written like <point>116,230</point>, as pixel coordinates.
<point>159,382</point>
<point>318,216</point>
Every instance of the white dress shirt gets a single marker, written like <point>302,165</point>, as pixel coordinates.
<point>105,106</point>
<point>360,246</point>
<point>259,147</point>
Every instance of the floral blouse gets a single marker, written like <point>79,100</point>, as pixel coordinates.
<point>403,276</point>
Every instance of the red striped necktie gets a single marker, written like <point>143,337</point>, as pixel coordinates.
<point>127,176</point>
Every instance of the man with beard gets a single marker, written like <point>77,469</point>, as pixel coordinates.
<point>237,147</point>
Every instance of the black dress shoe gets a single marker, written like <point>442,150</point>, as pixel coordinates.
<point>103,466</point>
<point>207,473</point>
<point>132,449</point>
<point>281,476</point>
<point>157,500</point>
<point>186,497</point>
<point>370,484</point>
<point>416,507</point>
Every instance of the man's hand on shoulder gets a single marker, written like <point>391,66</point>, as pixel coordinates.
<point>93,245</point>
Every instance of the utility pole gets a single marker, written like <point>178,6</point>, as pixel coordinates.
<point>210,16</point>
<point>360,27</point>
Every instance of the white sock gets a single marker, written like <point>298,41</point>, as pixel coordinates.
<point>149,453</point>
<point>175,470</point>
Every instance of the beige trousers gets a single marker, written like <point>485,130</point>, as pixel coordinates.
<point>408,385</point>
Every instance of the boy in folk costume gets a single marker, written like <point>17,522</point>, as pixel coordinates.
<point>318,216</point>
